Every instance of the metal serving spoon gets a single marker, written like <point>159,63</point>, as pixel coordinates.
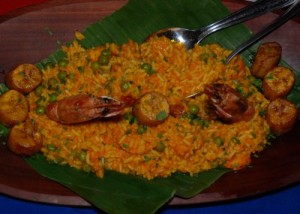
<point>191,37</point>
<point>290,13</point>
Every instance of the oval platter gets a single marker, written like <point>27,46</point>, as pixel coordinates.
<point>40,32</point>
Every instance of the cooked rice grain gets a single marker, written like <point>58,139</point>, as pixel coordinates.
<point>178,144</point>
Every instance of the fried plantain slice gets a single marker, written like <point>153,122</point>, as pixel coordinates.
<point>278,82</point>
<point>24,139</point>
<point>24,78</point>
<point>266,58</point>
<point>13,109</point>
<point>281,116</point>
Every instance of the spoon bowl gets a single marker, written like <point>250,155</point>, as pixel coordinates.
<point>183,35</point>
<point>191,37</point>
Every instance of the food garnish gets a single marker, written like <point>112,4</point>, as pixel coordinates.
<point>24,78</point>
<point>266,58</point>
<point>281,116</point>
<point>13,109</point>
<point>278,82</point>
<point>24,139</point>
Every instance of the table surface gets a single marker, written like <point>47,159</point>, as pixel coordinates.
<point>282,201</point>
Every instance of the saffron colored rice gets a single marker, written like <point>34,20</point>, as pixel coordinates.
<point>179,144</point>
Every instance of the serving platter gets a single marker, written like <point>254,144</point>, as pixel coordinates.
<point>32,33</point>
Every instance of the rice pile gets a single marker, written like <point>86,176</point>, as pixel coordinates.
<point>183,144</point>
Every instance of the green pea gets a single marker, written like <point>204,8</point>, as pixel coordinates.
<point>219,141</point>
<point>63,63</point>
<point>193,109</point>
<point>235,140</point>
<point>71,76</point>
<point>142,129</point>
<point>39,90</point>
<point>146,66</point>
<point>95,66</point>
<point>205,124</point>
<point>59,160</point>
<point>161,116</point>
<point>152,71</point>
<point>160,135</point>
<point>40,100</point>
<point>52,97</point>
<point>80,69</point>
<point>73,155</point>
<point>62,76</point>
<point>86,168</point>
<point>204,57</point>
<point>82,156</point>
<point>201,122</point>
<point>51,147</point>
<point>147,158</point>
<point>160,147</point>
<point>40,110</point>
<point>104,60</point>
<point>130,118</point>
<point>104,57</point>
<point>106,52</point>
<point>53,83</point>
<point>125,86</point>
<point>214,164</point>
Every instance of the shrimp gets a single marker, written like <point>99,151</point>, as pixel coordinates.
<point>83,108</point>
<point>227,104</point>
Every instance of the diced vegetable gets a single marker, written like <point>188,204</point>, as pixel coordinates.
<point>193,109</point>
<point>125,86</point>
<point>52,97</point>
<point>40,110</point>
<point>39,90</point>
<point>147,68</point>
<point>63,63</point>
<point>53,83</point>
<point>95,66</point>
<point>142,129</point>
<point>62,76</point>
<point>104,57</point>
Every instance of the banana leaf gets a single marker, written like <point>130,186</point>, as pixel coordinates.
<point>118,193</point>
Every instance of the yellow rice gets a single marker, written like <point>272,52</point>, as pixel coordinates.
<point>116,145</point>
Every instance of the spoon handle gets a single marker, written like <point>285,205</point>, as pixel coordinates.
<point>290,13</point>
<point>254,10</point>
